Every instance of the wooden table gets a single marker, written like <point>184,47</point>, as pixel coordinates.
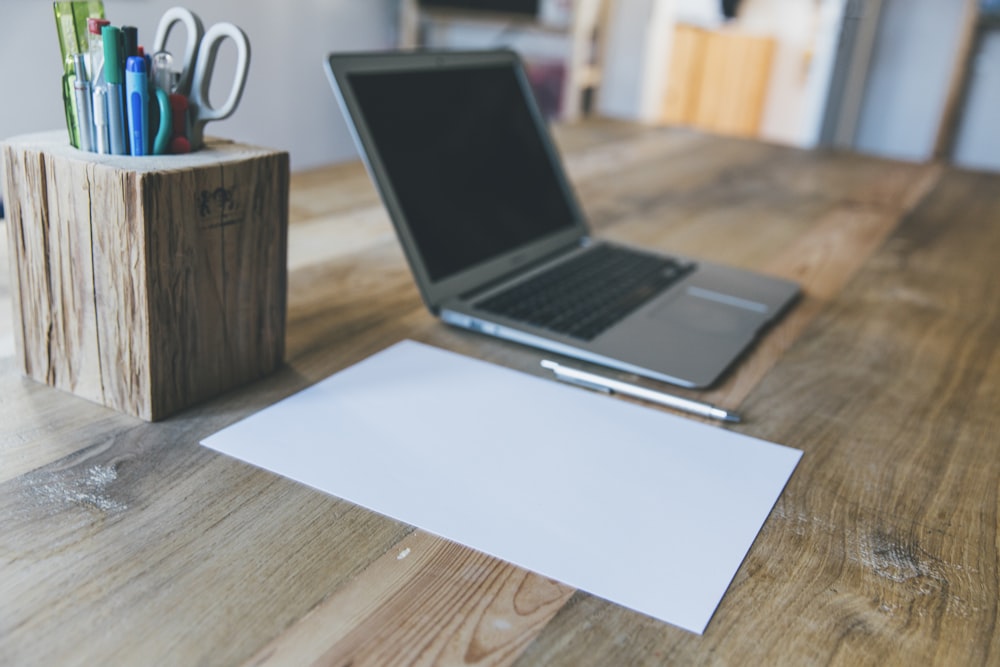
<point>128,543</point>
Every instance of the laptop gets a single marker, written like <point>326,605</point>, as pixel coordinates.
<point>496,239</point>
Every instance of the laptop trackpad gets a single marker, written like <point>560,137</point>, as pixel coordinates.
<point>711,312</point>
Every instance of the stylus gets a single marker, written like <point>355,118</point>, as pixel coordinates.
<point>601,383</point>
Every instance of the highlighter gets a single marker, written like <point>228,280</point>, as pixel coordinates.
<point>137,103</point>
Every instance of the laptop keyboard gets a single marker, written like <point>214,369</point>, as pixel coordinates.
<point>584,296</point>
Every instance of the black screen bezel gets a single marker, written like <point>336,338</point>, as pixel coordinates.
<point>436,292</point>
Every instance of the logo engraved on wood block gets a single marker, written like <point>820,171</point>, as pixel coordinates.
<point>221,207</point>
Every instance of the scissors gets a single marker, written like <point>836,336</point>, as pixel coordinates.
<point>198,63</point>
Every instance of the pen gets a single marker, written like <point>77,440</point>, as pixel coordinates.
<point>130,41</point>
<point>101,119</point>
<point>84,108</point>
<point>601,383</point>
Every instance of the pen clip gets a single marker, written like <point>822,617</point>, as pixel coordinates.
<point>569,379</point>
<point>610,386</point>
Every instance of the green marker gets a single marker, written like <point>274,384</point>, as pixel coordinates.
<point>113,79</point>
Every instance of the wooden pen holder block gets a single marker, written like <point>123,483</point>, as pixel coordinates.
<point>147,284</point>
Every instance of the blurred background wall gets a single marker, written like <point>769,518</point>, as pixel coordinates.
<point>907,79</point>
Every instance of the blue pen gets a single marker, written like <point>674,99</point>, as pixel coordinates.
<point>137,97</point>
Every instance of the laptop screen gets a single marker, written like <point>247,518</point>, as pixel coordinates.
<point>463,155</point>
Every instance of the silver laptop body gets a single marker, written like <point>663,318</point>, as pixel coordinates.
<point>474,185</point>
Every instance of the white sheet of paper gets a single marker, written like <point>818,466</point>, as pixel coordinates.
<point>645,509</point>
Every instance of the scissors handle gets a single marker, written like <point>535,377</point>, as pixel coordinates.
<point>195,30</point>
<point>202,110</point>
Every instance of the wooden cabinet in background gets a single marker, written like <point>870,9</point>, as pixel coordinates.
<point>718,80</point>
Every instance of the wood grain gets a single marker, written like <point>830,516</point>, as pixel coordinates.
<point>390,613</point>
<point>217,291</point>
<point>52,264</point>
<point>882,549</point>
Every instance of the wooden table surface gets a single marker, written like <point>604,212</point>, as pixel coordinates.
<point>124,542</point>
